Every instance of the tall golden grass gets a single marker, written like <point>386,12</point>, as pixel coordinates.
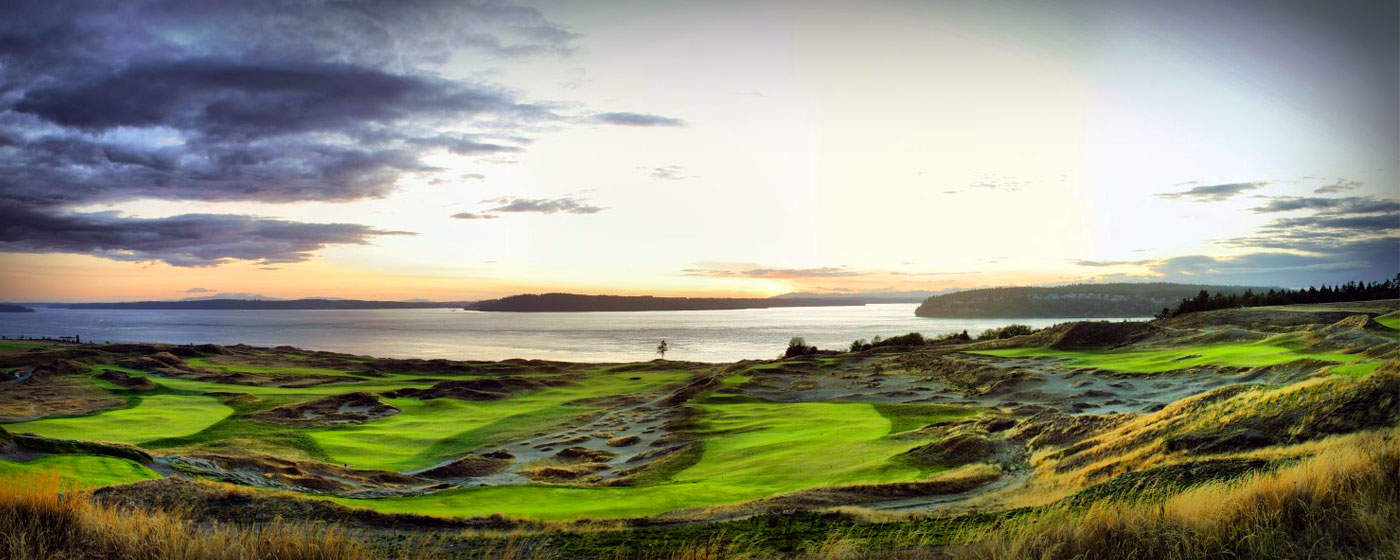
<point>40,521</point>
<point>1343,503</point>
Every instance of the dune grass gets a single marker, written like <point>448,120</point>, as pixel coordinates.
<point>151,417</point>
<point>1341,504</point>
<point>1270,351</point>
<point>750,450</point>
<point>80,471</point>
<point>41,519</point>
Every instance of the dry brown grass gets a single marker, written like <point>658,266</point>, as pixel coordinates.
<point>1293,420</point>
<point>39,521</point>
<point>1344,503</point>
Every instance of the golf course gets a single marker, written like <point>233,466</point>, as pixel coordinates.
<point>937,438</point>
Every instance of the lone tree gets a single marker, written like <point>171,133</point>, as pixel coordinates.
<point>661,349</point>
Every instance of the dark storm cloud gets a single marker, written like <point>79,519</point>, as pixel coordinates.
<point>74,169</point>
<point>1213,193</point>
<point>213,98</point>
<point>566,205</point>
<point>636,119</point>
<point>263,101</point>
<point>184,240</point>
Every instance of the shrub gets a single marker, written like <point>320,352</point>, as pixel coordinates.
<point>798,347</point>
<point>1005,332</point>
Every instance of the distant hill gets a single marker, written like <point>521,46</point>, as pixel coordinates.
<point>865,297</point>
<point>311,303</point>
<point>579,302</point>
<point>12,308</point>
<point>1078,300</point>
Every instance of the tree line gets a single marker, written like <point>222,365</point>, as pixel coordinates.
<point>1350,291</point>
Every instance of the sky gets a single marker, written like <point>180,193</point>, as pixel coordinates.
<point>465,150</point>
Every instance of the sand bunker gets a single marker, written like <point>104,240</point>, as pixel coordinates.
<point>349,408</point>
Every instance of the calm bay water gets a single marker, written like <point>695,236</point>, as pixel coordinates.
<point>709,336</point>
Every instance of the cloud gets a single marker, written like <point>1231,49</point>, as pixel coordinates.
<point>667,172</point>
<point>1374,259</point>
<point>1358,225</point>
<point>1002,184</point>
<point>1005,184</point>
<point>260,101</point>
<point>183,240</point>
<point>512,205</point>
<point>1099,264</point>
<point>1213,193</point>
<point>1339,186</point>
<point>474,216</point>
<point>636,119</point>
<point>783,273</point>
<point>1333,240</point>
<point>199,291</point>
<point>1343,205</point>
<point>567,205</point>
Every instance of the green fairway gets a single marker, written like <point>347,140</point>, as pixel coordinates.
<point>81,471</point>
<point>751,450</point>
<point>1391,320</point>
<point>1358,369</point>
<point>428,432</point>
<point>153,417</point>
<point>1270,351</point>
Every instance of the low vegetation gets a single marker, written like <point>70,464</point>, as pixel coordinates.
<point>1231,433</point>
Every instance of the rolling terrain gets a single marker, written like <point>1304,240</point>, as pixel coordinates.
<point>1130,299</point>
<point>1258,432</point>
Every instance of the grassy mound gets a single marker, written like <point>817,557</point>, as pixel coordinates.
<point>956,449</point>
<point>152,417</point>
<point>1342,504</point>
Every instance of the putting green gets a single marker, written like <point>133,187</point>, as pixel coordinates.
<point>81,471</point>
<point>425,433</point>
<point>153,417</point>
<point>751,450</point>
<point>1270,351</point>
